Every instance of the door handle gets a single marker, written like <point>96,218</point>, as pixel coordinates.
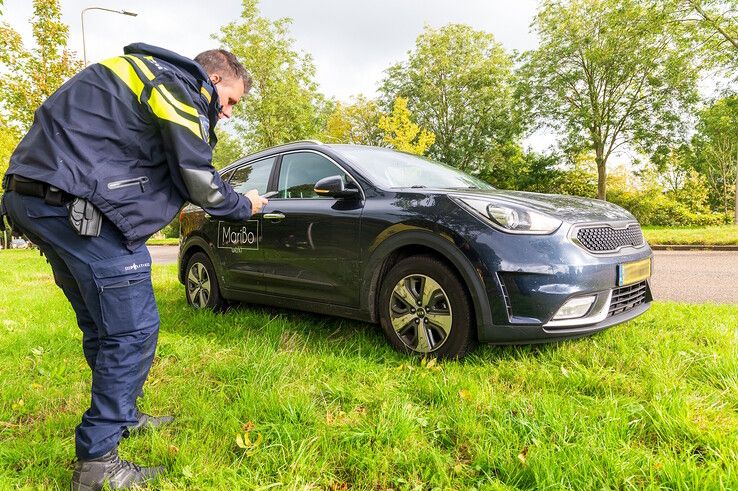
<point>274,216</point>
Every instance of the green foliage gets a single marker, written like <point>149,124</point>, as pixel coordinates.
<point>9,139</point>
<point>715,149</point>
<point>229,148</point>
<point>693,193</point>
<point>170,231</point>
<point>326,404</point>
<point>655,208</point>
<point>356,122</point>
<point>30,76</point>
<point>714,26</point>
<point>459,86</point>
<point>401,133</point>
<point>546,173</point>
<point>284,103</point>
<point>609,73</point>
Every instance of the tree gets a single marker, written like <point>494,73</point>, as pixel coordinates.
<point>459,85</point>
<point>284,103</point>
<point>716,23</point>
<point>401,133</point>
<point>228,150</point>
<point>610,73</point>
<point>9,139</point>
<point>30,76</point>
<point>356,123</point>
<point>716,149</point>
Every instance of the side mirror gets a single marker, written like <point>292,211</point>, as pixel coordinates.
<point>333,186</point>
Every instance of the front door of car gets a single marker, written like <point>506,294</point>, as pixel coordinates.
<point>310,242</point>
<point>239,243</point>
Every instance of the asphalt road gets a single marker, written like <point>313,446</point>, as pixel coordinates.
<point>696,276</point>
<point>681,276</point>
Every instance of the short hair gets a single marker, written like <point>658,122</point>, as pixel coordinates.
<point>225,64</point>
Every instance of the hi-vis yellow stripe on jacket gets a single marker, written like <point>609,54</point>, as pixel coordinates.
<point>134,72</point>
<point>133,135</point>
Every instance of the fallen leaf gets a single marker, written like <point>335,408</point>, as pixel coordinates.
<point>465,394</point>
<point>431,363</point>
<point>173,449</point>
<point>248,426</point>
<point>522,456</point>
<point>564,371</point>
<point>239,441</point>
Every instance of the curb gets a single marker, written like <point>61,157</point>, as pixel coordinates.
<point>693,247</point>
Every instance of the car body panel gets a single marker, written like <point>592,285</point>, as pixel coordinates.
<point>330,255</point>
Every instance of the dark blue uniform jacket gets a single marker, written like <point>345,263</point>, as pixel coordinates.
<point>134,135</point>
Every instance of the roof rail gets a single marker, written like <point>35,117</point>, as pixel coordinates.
<point>313,142</point>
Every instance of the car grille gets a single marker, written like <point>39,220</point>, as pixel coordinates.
<point>604,238</point>
<point>627,297</point>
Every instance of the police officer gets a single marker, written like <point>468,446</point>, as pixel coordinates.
<point>110,159</point>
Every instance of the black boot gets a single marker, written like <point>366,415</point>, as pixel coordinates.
<point>147,421</point>
<point>91,475</point>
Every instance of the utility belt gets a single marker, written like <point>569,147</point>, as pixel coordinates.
<point>84,218</point>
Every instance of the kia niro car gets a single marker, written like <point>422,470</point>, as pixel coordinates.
<point>439,258</point>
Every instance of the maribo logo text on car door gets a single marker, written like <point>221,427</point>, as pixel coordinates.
<point>238,236</point>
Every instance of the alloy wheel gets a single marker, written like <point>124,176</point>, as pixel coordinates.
<point>198,285</point>
<point>420,313</point>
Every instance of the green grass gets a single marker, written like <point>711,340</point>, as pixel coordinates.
<point>652,404</point>
<point>718,235</point>
<point>164,241</point>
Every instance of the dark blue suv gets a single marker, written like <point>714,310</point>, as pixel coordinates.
<point>439,258</point>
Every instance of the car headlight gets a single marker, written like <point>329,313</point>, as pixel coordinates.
<point>509,217</point>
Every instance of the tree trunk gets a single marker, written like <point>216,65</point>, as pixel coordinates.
<point>601,172</point>
<point>735,211</point>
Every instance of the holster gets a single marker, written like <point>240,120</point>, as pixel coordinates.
<point>84,218</point>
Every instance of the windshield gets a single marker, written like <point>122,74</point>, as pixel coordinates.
<point>390,169</point>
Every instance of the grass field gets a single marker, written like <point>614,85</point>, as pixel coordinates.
<point>719,235</point>
<point>166,241</point>
<point>278,399</point>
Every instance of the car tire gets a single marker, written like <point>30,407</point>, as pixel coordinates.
<point>201,284</point>
<point>424,309</point>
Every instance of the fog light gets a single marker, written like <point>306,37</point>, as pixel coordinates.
<point>575,307</point>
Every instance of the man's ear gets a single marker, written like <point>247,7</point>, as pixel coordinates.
<point>215,78</point>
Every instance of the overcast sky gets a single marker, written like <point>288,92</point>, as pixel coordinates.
<point>352,41</point>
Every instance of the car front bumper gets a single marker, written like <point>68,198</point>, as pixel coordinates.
<point>528,284</point>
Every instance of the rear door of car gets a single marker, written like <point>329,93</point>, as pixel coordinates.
<point>311,243</point>
<point>239,243</point>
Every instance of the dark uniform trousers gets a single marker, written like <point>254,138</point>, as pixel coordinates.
<point>110,290</point>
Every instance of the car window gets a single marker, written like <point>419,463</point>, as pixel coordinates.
<point>253,176</point>
<point>300,171</point>
<point>226,176</point>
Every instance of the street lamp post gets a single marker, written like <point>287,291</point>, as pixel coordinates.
<point>82,16</point>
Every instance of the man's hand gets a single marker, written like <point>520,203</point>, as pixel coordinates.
<point>257,202</point>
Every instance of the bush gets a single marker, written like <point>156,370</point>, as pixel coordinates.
<point>171,231</point>
<point>655,208</point>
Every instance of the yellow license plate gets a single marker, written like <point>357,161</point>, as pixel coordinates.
<point>634,272</point>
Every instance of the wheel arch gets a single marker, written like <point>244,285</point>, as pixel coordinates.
<point>193,245</point>
<point>419,242</point>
